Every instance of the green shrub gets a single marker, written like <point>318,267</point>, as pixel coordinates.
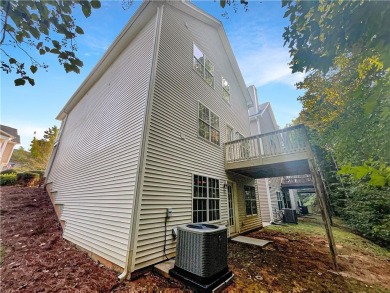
<point>11,171</point>
<point>367,211</point>
<point>7,179</point>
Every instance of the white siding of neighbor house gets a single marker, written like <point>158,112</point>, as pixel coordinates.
<point>174,151</point>
<point>95,167</point>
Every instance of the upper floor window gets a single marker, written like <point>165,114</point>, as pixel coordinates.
<point>203,66</point>
<point>226,90</point>
<point>208,124</point>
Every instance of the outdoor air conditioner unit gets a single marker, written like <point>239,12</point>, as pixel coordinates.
<point>201,256</point>
<point>290,216</point>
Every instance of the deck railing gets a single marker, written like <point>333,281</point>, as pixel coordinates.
<point>297,180</point>
<point>284,141</point>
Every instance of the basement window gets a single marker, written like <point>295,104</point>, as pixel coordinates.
<point>203,66</point>
<point>208,125</point>
<point>205,202</point>
<point>250,200</point>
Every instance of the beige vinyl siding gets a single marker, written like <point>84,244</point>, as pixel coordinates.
<point>174,151</point>
<point>263,198</point>
<point>95,167</point>
<point>245,223</point>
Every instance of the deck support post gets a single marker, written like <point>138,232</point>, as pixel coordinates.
<point>320,191</point>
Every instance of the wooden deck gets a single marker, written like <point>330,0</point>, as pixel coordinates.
<point>284,152</point>
<point>297,182</point>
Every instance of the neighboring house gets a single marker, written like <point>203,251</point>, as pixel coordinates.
<point>262,120</point>
<point>9,138</point>
<point>158,108</point>
<point>275,193</point>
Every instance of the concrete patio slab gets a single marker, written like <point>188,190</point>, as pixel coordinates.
<point>163,268</point>
<point>253,241</point>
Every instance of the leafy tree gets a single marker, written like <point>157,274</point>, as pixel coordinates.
<point>321,31</point>
<point>343,46</point>
<point>47,27</point>
<point>41,148</point>
<point>348,109</point>
<point>38,155</point>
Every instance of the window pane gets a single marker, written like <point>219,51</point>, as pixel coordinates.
<point>195,217</point>
<point>204,130</point>
<point>214,136</point>
<point>225,85</point>
<point>248,207</point>
<point>197,53</point>
<point>203,216</point>
<point>209,78</point>
<point>204,113</point>
<point>254,207</point>
<point>198,66</point>
<point>214,121</point>
<point>196,191</point>
<point>209,66</point>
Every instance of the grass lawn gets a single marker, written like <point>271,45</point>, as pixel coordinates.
<point>344,237</point>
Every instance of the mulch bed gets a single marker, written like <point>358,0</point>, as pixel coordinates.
<point>37,258</point>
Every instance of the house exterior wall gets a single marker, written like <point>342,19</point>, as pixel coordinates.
<point>174,152</point>
<point>263,199</point>
<point>94,170</point>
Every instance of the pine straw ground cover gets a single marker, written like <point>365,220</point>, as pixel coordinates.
<point>35,258</point>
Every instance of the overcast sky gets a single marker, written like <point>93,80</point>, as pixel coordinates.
<point>255,36</point>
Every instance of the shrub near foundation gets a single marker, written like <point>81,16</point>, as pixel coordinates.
<point>7,179</point>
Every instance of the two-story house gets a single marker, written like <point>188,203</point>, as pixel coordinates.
<point>145,132</point>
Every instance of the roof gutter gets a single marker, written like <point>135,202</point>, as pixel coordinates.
<point>133,235</point>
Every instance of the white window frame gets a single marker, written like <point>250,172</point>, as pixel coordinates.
<point>209,124</point>
<point>207,198</point>
<point>251,200</point>
<point>224,90</point>
<point>204,70</point>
